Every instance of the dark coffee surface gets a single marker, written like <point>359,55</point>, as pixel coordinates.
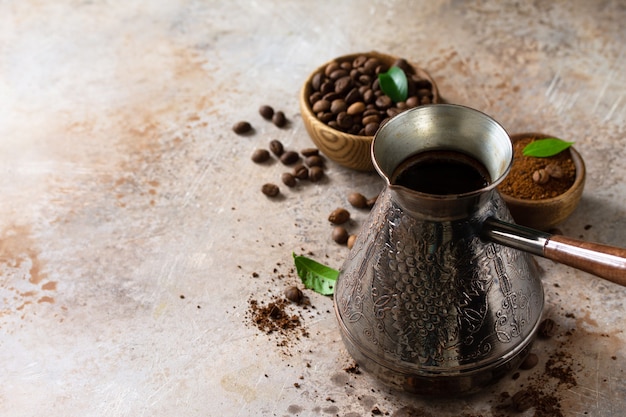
<point>441,173</point>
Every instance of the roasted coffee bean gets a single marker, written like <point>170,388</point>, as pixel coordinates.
<point>343,85</point>
<point>327,87</point>
<point>289,157</point>
<point>340,234</point>
<point>301,172</point>
<point>356,108</point>
<point>338,105</point>
<point>331,96</point>
<point>370,65</point>
<point>369,96</point>
<point>331,67</point>
<point>314,161</point>
<point>351,240</point>
<point>260,155</point>
<point>393,111</point>
<point>357,200</point>
<point>372,201</point>
<point>522,400</point>
<point>365,79</point>
<point>279,119</point>
<point>321,106</point>
<point>242,127</point>
<point>371,118</point>
<point>371,129</point>
<point>403,65</point>
<point>344,120</point>
<point>276,147</point>
<point>288,179</point>
<point>338,73</point>
<point>326,117</point>
<point>339,216</point>
<point>383,102</point>
<point>266,112</point>
<point>353,96</point>
<point>359,61</point>
<point>540,176</point>
<point>316,81</point>
<point>547,328</point>
<point>270,190</point>
<point>316,174</point>
<point>306,152</point>
<point>294,294</point>
<point>554,170</point>
<point>530,362</point>
<point>313,98</point>
<point>412,101</point>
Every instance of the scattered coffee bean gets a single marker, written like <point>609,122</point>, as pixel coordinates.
<point>289,157</point>
<point>340,234</point>
<point>294,294</point>
<point>242,127</point>
<point>279,119</point>
<point>309,152</point>
<point>301,172</point>
<point>540,176</point>
<point>351,240</point>
<point>547,328</point>
<point>260,155</point>
<point>314,161</point>
<point>276,147</point>
<point>522,400</point>
<point>339,216</point>
<point>266,112</point>
<point>316,174</point>
<point>288,179</point>
<point>270,190</point>
<point>530,362</point>
<point>357,200</point>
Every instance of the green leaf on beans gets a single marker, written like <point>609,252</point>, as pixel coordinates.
<point>315,276</point>
<point>544,148</point>
<point>394,84</point>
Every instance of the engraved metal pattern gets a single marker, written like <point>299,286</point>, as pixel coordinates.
<point>427,295</point>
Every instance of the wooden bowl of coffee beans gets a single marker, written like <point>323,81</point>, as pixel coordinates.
<point>343,106</point>
<point>541,192</point>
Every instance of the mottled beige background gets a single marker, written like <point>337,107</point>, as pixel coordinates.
<point>122,188</point>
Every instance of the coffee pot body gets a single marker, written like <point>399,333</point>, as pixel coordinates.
<point>423,302</point>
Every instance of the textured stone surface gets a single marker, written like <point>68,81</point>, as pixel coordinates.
<point>133,232</point>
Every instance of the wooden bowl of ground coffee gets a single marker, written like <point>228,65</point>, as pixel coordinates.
<point>552,195</point>
<point>342,105</point>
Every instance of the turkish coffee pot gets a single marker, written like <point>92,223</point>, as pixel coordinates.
<point>440,294</point>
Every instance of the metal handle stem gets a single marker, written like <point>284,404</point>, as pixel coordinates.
<point>608,262</point>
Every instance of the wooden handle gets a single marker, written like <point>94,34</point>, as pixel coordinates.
<point>605,261</point>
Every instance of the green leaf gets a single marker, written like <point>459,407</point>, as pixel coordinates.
<point>320,278</point>
<point>394,84</point>
<point>544,148</point>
